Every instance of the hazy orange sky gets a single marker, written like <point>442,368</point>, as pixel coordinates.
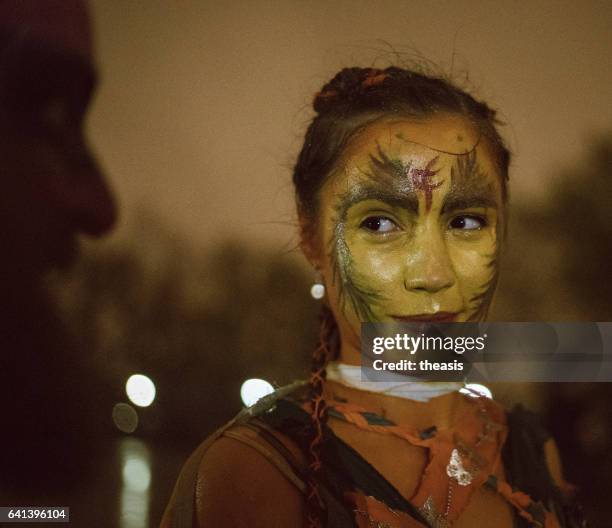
<point>203,103</point>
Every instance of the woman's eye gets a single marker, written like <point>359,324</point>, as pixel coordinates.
<point>468,223</point>
<point>379,224</point>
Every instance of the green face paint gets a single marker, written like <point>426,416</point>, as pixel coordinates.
<point>410,231</point>
<point>469,182</point>
<point>352,285</point>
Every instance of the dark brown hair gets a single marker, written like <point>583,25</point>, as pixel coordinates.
<point>354,98</point>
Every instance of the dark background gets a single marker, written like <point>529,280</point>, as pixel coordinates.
<point>198,119</point>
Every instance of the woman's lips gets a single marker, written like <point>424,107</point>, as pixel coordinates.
<point>438,317</point>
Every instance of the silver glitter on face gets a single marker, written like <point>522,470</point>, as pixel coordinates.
<point>352,286</point>
<point>342,251</point>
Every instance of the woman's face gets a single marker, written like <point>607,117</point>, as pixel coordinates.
<point>410,225</point>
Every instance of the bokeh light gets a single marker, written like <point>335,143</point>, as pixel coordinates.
<point>140,389</point>
<point>136,474</point>
<point>125,417</point>
<point>253,389</point>
<point>134,503</point>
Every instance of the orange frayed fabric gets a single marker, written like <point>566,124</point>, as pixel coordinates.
<point>477,439</point>
<point>371,512</point>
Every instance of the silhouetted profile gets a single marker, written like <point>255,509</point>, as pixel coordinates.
<point>51,191</point>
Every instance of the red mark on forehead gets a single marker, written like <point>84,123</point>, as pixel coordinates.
<point>422,181</point>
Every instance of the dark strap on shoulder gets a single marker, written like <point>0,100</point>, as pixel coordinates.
<point>344,468</point>
<point>523,454</point>
<point>269,435</point>
<point>526,467</point>
<point>338,515</point>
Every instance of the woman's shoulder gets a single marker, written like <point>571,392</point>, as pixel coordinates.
<point>242,477</point>
<point>245,473</point>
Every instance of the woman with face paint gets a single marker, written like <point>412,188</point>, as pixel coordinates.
<point>401,196</point>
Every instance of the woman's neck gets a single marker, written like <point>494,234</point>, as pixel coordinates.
<point>424,402</point>
<point>394,384</point>
<point>440,411</point>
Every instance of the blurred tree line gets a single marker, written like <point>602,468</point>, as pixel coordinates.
<point>557,268</point>
<point>197,323</point>
<point>200,323</point>
<point>559,248</point>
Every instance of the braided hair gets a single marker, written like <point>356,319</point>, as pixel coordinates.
<point>354,98</point>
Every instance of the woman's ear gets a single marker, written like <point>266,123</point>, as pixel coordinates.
<point>309,242</point>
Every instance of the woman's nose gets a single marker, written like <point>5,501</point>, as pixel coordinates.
<point>428,267</point>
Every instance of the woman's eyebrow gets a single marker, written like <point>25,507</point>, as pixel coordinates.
<point>457,199</point>
<point>372,191</point>
<point>470,186</point>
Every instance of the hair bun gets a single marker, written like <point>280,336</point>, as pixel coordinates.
<point>348,85</point>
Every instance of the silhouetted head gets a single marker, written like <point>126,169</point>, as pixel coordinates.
<point>51,188</point>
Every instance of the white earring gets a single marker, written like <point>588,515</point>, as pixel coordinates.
<point>317,290</point>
